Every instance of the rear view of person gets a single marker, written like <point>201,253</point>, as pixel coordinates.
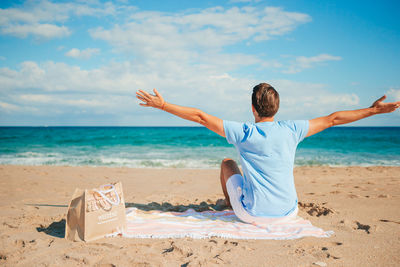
<point>266,190</point>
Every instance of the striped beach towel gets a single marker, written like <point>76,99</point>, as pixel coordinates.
<point>205,224</point>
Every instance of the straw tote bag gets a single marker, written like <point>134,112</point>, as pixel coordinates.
<point>95,213</point>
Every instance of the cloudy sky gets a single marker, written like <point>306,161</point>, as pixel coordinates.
<point>80,62</point>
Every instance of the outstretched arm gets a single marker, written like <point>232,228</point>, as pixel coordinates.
<point>192,114</point>
<point>342,117</point>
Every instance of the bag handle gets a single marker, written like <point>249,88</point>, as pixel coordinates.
<point>104,192</point>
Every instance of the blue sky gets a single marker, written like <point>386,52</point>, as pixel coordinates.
<point>80,62</point>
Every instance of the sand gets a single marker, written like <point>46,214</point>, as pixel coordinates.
<point>360,204</point>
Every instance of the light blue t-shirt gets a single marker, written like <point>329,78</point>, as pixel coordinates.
<point>267,151</point>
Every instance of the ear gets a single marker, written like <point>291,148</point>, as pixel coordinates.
<point>255,113</point>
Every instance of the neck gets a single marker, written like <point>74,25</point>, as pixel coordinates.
<point>264,119</point>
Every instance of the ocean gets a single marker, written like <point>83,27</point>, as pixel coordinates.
<point>184,147</point>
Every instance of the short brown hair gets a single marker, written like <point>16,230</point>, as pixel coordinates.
<point>265,100</point>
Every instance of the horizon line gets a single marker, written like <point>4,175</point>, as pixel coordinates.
<point>165,126</point>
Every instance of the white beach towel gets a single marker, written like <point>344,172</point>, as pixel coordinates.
<point>159,224</point>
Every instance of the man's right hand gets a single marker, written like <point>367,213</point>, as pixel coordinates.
<point>342,117</point>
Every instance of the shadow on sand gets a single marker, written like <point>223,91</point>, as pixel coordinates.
<point>166,206</point>
<point>57,229</point>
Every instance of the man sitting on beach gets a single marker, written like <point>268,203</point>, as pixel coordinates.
<point>266,190</point>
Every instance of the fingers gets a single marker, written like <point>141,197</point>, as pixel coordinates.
<point>148,99</point>
<point>141,98</point>
<point>382,98</point>
<point>145,94</point>
<point>138,94</point>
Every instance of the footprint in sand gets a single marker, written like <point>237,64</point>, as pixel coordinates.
<point>182,250</point>
<point>19,243</point>
<point>9,225</point>
<point>228,246</point>
<point>316,251</point>
<point>364,227</point>
<point>3,257</point>
<point>354,196</point>
<point>338,184</point>
<point>328,255</point>
<point>355,225</point>
<point>324,252</point>
<point>315,209</point>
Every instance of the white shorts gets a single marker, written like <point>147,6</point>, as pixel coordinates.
<point>234,187</point>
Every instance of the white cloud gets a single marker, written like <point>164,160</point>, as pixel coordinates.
<point>301,63</point>
<point>271,64</point>
<point>83,54</point>
<point>41,18</point>
<point>394,94</point>
<point>46,31</point>
<point>178,53</point>
<point>302,100</point>
<point>185,49</point>
<point>60,77</point>
<point>223,76</point>
<point>7,107</point>
<point>64,100</point>
<point>181,54</point>
<point>211,28</point>
<point>58,88</point>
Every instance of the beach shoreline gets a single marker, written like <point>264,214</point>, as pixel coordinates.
<point>360,204</point>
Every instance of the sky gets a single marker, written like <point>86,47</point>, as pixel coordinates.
<point>79,63</point>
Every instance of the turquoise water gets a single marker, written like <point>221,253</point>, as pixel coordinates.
<point>184,147</point>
